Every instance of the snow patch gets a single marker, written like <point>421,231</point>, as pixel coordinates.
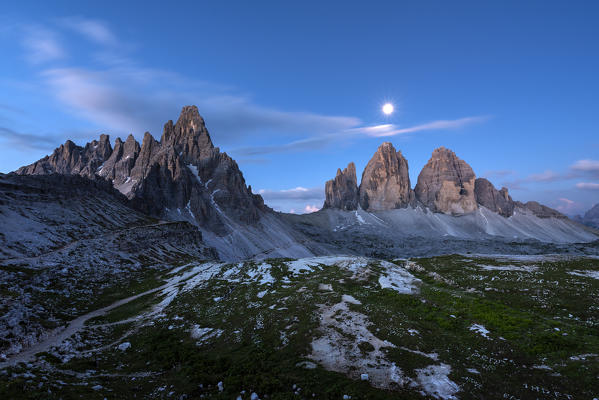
<point>585,274</point>
<point>435,381</point>
<point>204,334</point>
<point>518,268</point>
<point>398,279</point>
<point>480,329</point>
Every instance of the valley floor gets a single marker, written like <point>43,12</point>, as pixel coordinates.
<point>447,327</point>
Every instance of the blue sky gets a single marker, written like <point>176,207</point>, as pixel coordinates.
<point>293,90</point>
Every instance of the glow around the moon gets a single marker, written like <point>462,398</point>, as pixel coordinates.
<point>388,109</point>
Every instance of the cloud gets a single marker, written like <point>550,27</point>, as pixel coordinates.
<point>314,142</point>
<point>393,130</point>
<point>547,176</point>
<point>94,30</point>
<point>27,140</point>
<point>132,98</point>
<point>122,97</point>
<point>298,193</point>
<point>590,167</point>
<point>296,200</point>
<point>311,208</point>
<point>502,173</point>
<point>311,143</point>
<point>41,45</point>
<point>587,185</point>
<point>567,206</point>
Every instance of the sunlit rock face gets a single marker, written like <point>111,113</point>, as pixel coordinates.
<point>446,184</point>
<point>385,181</point>
<point>342,192</point>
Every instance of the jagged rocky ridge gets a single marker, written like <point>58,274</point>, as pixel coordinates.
<point>590,218</point>
<point>183,177</point>
<point>342,192</point>
<point>183,172</point>
<point>446,184</point>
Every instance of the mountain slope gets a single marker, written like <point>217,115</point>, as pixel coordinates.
<point>183,177</point>
<point>69,244</point>
<point>446,327</point>
<point>590,218</point>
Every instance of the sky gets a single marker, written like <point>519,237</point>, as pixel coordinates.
<point>294,90</point>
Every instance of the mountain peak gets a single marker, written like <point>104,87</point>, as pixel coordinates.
<point>188,136</point>
<point>342,192</point>
<point>385,181</point>
<point>446,184</point>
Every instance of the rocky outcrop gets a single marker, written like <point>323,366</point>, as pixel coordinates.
<point>495,200</point>
<point>446,184</point>
<point>385,181</point>
<point>590,218</point>
<point>71,159</point>
<point>539,210</point>
<point>342,192</point>
<point>189,136</point>
<point>119,165</point>
<point>181,177</point>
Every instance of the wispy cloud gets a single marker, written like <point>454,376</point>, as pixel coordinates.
<point>590,167</point>
<point>310,208</point>
<point>588,185</point>
<point>502,173</point>
<point>393,130</point>
<point>580,169</point>
<point>92,29</point>
<point>546,176</point>
<point>298,193</point>
<point>41,45</point>
<point>315,142</point>
<point>569,207</point>
<point>27,140</point>
<point>296,200</point>
<point>121,96</point>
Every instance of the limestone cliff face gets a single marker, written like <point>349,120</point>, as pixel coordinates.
<point>188,136</point>
<point>385,181</point>
<point>495,200</point>
<point>342,192</point>
<point>70,159</point>
<point>446,184</point>
<point>182,176</point>
<point>119,165</point>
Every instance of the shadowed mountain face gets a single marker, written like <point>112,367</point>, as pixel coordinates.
<point>495,200</point>
<point>590,218</point>
<point>342,192</point>
<point>182,177</point>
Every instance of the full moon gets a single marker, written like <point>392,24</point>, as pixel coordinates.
<point>388,109</point>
